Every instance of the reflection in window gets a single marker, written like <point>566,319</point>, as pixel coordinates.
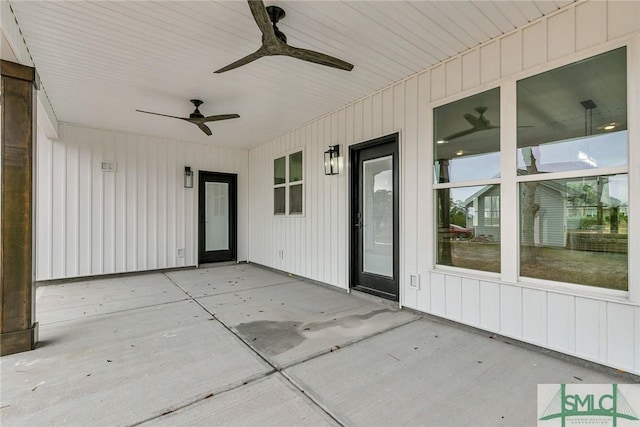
<point>467,138</point>
<point>575,230</point>
<point>279,200</point>
<point>467,236</point>
<point>279,175</point>
<point>492,211</point>
<point>574,117</point>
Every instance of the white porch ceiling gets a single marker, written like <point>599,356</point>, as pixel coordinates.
<point>99,61</point>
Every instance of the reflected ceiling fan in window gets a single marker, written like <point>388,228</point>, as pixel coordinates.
<point>274,42</point>
<point>197,118</point>
<point>479,123</point>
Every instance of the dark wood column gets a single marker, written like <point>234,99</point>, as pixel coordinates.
<point>19,331</point>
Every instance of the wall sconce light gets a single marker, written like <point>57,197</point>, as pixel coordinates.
<point>331,160</point>
<point>188,177</point>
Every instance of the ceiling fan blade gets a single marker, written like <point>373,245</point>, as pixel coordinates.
<point>247,59</point>
<point>316,57</point>
<point>474,121</point>
<point>459,134</point>
<point>163,115</point>
<point>219,117</point>
<point>204,128</point>
<point>260,15</point>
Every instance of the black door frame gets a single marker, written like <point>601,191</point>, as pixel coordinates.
<point>218,256</point>
<point>354,185</point>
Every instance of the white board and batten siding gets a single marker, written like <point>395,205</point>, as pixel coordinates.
<point>91,222</point>
<point>591,326</point>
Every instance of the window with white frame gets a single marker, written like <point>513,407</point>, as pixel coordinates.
<point>492,211</point>
<point>288,184</point>
<point>467,176</point>
<point>572,168</point>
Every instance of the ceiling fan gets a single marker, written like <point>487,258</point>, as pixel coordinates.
<point>479,123</point>
<point>197,118</point>
<point>274,42</point>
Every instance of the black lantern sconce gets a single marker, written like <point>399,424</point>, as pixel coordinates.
<point>331,160</point>
<point>188,177</point>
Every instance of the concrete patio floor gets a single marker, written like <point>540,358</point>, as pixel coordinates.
<point>241,345</point>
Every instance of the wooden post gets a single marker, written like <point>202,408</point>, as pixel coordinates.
<point>18,329</point>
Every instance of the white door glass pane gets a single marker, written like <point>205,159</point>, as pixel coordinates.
<point>216,199</point>
<point>377,216</point>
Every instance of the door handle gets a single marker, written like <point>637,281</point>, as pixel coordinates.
<point>358,223</point>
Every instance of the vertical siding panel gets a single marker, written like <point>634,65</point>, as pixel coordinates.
<point>511,54</point>
<point>453,297</point>
<point>471,301</point>
<point>152,203</point>
<point>620,333</point>
<point>328,210</point>
<point>588,327</point>
<point>377,114</point>
<point>358,121</point>
<point>344,218</point>
<point>85,202</point>
<point>534,316</point>
<point>59,208</point>
<point>317,180</point>
<point>561,34</point>
<point>337,129</point>
<point>309,198</point>
<point>438,82</point>
<point>489,62</point>
<point>97,205</point>
<point>471,69</point>
<point>72,181</point>
<point>623,18</point>
<point>388,106</point>
<point>43,207</point>
<point>490,305</point>
<point>367,117</point>
<point>534,44</point>
<point>591,24</point>
<point>561,322</point>
<point>453,76</point>
<point>108,206</point>
<point>511,310</point>
<point>121,202</point>
<point>132,203</point>
<point>161,225</point>
<point>438,294</point>
<point>172,168</point>
<point>142,207</point>
<point>423,185</point>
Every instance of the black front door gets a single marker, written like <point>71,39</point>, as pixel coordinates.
<point>217,207</point>
<point>375,217</point>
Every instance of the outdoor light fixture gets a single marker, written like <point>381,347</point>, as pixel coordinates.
<point>331,160</point>
<point>188,177</point>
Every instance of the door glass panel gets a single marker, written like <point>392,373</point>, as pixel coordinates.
<point>216,216</point>
<point>377,216</point>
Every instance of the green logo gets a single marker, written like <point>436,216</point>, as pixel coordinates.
<point>565,405</point>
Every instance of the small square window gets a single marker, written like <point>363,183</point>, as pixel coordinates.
<point>279,199</point>
<point>295,199</point>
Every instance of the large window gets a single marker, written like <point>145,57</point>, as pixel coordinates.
<point>467,176</point>
<point>288,183</point>
<point>572,165</point>
<point>571,198</point>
